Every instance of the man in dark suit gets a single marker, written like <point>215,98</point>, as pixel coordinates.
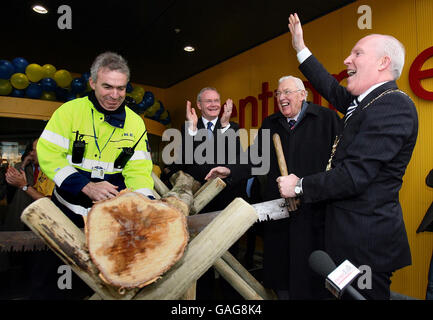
<point>307,132</point>
<point>201,151</point>
<point>208,132</point>
<point>364,221</point>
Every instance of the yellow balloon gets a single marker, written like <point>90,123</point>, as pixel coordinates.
<point>48,96</point>
<point>63,78</point>
<point>19,81</point>
<point>49,70</point>
<point>152,109</point>
<point>5,87</point>
<point>34,72</point>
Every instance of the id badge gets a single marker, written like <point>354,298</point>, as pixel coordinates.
<point>97,172</point>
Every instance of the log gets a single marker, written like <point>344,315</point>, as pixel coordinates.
<point>133,240</point>
<point>205,194</point>
<point>239,284</point>
<point>68,242</point>
<point>246,276</point>
<point>159,186</point>
<point>203,251</point>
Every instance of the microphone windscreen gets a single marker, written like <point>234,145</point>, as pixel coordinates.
<point>321,263</point>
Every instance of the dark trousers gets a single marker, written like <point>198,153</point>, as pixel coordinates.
<point>380,287</point>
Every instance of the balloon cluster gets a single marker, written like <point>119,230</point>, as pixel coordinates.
<point>20,79</point>
<point>144,102</point>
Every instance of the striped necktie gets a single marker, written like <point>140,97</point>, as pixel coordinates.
<point>209,130</point>
<point>292,124</point>
<point>352,107</point>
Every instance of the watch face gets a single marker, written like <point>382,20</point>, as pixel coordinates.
<point>25,188</point>
<point>297,190</point>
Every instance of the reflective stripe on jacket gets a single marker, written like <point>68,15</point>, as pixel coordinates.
<point>104,143</point>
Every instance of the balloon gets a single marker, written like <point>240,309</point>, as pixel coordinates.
<point>20,65</point>
<point>34,91</point>
<point>150,112</point>
<point>137,93</point>
<point>34,72</point>
<point>48,84</point>
<point>5,87</point>
<point>48,96</point>
<point>78,85</point>
<point>6,69</point>
<point>148,98</point>
<point>18,93</point>
<point>63,78</point>
<point>49,70</point>
<point>19,81</point>
<point>61,94</point>
<point>70,96</point>
<point>158,112</point>
<point>85,76</point>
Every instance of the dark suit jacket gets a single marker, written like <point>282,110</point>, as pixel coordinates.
<point>199,170</point>
<point>364,221</point>
<point>289,242</point>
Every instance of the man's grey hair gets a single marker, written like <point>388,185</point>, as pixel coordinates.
<point>206,89</point>
<point>298,83</point>
<point>111,61</point>
<point>394,49</point>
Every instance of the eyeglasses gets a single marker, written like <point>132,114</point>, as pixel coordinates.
<point>286,92</point>
<point>207,101</point>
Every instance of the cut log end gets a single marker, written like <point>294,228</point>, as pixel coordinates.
<point>133,240</point>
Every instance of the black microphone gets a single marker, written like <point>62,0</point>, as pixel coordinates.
<point>322,264</point>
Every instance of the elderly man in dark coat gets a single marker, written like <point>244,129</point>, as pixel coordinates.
<point>307,132</point>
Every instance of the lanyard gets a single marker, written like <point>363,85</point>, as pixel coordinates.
<point>96,139</point>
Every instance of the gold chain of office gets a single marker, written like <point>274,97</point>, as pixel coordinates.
<point>338,138</point>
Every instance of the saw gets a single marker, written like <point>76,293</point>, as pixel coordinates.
<point>29,241</point>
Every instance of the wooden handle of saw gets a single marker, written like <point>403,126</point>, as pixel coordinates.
<point>291,202</point>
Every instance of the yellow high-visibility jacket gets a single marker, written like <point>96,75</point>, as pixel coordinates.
<point>105,134</point>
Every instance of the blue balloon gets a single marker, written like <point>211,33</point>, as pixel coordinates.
<point>48,84</point>
<point>18,93</point>
<point>85,76</point>
<point>7,69</point>
<point>70,96</point>
<point>78,85</point>
<point>34,91</point>
<point>61,94</point>
<point>20,65</point>
<point>129,87</point>
<point>148,98</point>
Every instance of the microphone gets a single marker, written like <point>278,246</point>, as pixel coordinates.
<point>322,264</point>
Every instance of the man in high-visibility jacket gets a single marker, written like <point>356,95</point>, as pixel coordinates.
<point>95,146</point>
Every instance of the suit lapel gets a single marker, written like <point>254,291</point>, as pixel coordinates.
<point>372,95</point>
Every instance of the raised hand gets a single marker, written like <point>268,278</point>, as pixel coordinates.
<point>191,116</point>
<point>295,28</point>
<point>225,117</point>
<point>16,178</point>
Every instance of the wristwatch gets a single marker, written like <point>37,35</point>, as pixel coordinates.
<point>298,188</point>
<point>25,187</point>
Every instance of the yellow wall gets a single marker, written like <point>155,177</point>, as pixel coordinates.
<point>331,38</point>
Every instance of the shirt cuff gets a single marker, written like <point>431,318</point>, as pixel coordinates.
<point>225,128</point>
<point>192,133</point>
<point>303,55</point>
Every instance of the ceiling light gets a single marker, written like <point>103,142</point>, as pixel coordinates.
<point>39,9</point>
<point>189,48</point>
